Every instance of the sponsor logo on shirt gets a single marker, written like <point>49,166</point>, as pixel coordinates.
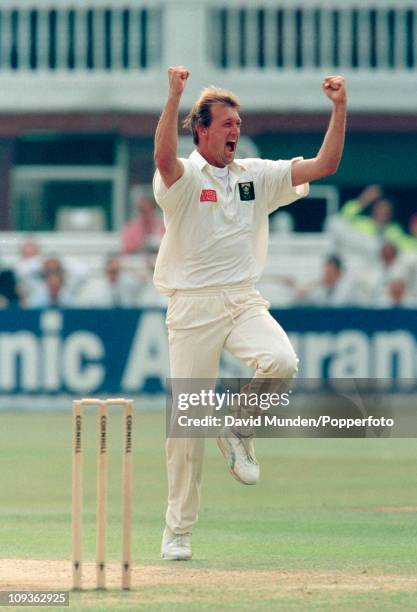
<point>208,195</point>
<point>247,191</point>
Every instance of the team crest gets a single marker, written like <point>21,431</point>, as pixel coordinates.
<point>247,191</point>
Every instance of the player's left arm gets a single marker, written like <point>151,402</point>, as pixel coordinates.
<point>328,158</point>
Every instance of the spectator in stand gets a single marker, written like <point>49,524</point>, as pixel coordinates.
<point>149,295</point>
<point>32,274</point>
<point>376,278</point>
<point>409,242</point>
<point>28,268</point>
<point>118,287</point>
<point>348,229</point>
<point>379,222</point>
<point>412,227</point>
<point>54,289</point>
<point>397,295</point>
<point>335,288</point>
<point>9,295</point>
<point>146,229</point>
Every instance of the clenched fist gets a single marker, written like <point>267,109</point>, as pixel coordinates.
<point>334,88</point>
<point>177,77</point>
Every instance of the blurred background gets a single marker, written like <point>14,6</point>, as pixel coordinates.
<point>81,88</point>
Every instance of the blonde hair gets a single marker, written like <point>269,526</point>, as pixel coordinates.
<point>200,114</point>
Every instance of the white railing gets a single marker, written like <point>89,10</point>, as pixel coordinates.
<point>315,34</point>
<point>89,35</point>
<point>89,55</point>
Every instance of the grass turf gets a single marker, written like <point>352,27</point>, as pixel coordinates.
<point>323,511</point>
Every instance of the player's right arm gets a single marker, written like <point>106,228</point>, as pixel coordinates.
<point>166,137</point>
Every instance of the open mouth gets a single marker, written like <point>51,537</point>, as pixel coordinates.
<point>231,146</point>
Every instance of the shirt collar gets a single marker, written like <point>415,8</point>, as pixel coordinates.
<point>201,162</point>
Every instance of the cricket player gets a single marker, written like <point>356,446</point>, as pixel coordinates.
<point>216,212</point>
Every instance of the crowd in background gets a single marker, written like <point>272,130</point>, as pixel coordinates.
<point>364,229</point>
<point>386,253</point>
<point>43,281</point>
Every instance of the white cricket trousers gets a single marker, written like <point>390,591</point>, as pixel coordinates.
<point>201,323</point>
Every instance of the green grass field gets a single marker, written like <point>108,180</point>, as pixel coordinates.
<point>331,526</point>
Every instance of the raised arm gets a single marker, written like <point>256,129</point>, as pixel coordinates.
<point>166,136</point>
<point>327,160</point>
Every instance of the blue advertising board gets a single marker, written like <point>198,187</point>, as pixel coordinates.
<point>85,352</point>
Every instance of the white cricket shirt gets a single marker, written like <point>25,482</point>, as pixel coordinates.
<point>217,229</point>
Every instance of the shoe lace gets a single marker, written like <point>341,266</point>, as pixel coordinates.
<point>249,457</point>
<point>182,539</point>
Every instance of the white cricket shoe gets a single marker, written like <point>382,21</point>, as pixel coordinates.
<point>240,456</point>
<point>176,546</point>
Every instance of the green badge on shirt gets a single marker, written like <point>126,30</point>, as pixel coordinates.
<point>246,191</point>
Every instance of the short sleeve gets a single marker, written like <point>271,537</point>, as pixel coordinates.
<point>279,189</point>
<point>171,197</point>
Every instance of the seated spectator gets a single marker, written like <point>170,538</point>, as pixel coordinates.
<point>9,295</point>
<point>53,289</point>
<point>412,226</point>
<point>334,288</point>
<point>28,268</point>
<point>33,273</point>
<point>117,287</point>
<point>409,241</point>
<point>348,229</point>
<point>397,295</point>
<point>149,295</point>
<point>379,222</point>
<point>146,229</point>
<point>378,276</point>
